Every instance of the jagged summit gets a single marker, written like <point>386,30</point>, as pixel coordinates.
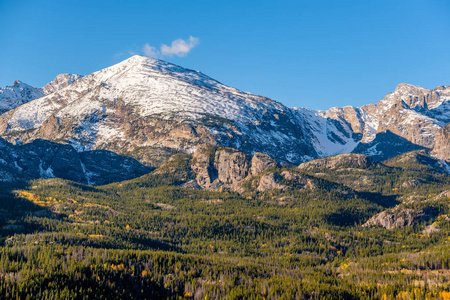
<point>408,87</point>
<point>414,96</point>
<point>20,93</point>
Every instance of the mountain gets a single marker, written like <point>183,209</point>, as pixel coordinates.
<point>149,109</point>
<point>20,93</point>
<point>411,116</point>
<point>273,201</point>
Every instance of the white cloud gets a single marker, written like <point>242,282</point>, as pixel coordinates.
<point>178,48</point>
<point>151,51</point>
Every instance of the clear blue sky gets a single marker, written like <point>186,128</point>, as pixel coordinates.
<point>315,54</point>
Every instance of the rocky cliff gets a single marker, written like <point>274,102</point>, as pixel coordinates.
<point>442,146</point>
<point>400,217</point>
<point>340,161</point>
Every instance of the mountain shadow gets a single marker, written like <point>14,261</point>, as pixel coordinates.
<point>44,159</point>
<point>386,145</point>
<point>14,208</point>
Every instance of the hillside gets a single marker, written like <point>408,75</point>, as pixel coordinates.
<point>317,232</point>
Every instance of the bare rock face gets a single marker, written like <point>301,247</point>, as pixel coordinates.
<point>217,168</point>
<point>431,229</point>
<point>269,182</point>
<point>415,113</point>
<point>442,146</point>
<point>232,166</point>
<point>272,181</point>
<point>412,183</point>
<point>405,123</point>
<point>414,96</point>
<point>444,194</point>
<point>338,161</point>
<point>228,168</point>
<point>192,185</point>
<point>349,114</point>
<point>261,162</point>
<point>411,113</point>
<point>399,218</point>
<point>202,166</point>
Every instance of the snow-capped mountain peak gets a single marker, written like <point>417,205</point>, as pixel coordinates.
<point>149,109</point>
<point>120,106</point>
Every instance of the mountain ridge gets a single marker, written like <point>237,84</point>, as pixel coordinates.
<point>20,93</point>
<point>150,109</point>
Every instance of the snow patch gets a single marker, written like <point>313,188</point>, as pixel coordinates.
<point>47,173</point>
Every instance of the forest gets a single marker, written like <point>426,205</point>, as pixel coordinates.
<point>150,238</point>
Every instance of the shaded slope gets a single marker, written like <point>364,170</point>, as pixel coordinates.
<point>44,159</point>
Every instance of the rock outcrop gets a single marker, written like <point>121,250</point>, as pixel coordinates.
<point>261,162</point>
<point>232,165</point>
<point>414,113</point>
<point>224,167</point>
<point>442,146</point>
<point>339,161</point>
<point>298,179</point>
<point>227,168</point>
<point>270,182</point>
<point>399,218</point>
<point>202,166</point>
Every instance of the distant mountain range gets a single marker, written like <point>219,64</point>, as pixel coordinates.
<point>150,109</point>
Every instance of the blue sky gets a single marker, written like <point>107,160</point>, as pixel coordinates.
<point>315,54</point>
